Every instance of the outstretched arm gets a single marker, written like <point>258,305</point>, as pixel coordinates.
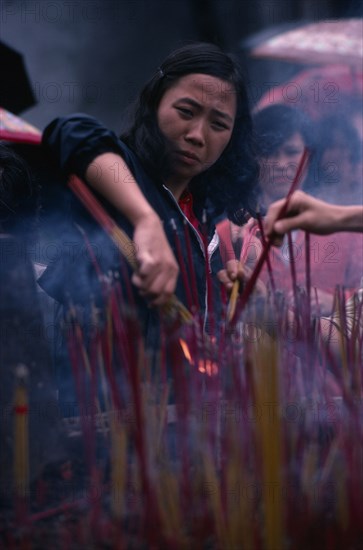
<point>313,215</point>
<point>158,269</point>
<point>75,143</point>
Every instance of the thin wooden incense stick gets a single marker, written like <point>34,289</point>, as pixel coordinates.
<point>122,241</point>
<point>253,279</point>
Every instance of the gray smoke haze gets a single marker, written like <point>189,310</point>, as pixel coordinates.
<point>93,56</point>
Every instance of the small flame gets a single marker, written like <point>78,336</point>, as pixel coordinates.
<point>186,351</point>
<point>207,366</point>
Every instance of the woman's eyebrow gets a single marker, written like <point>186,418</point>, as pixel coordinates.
<point>197,105</point>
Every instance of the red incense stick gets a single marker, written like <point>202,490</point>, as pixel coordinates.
<point>193,279</point>
<point>120,238</point>
<point>308,275</point>
<point>268,259</point>
<point>293,271</point>
<point>252,281</point>
<point>183,270</point>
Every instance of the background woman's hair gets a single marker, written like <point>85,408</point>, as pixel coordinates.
<point>337,131</point>
<point>276,124</point>
<point>337,137</point>
<point>230,181</point>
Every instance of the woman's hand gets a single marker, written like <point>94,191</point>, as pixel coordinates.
<point>235,271</point>
<point>158,270</point>
<point>313,215</point>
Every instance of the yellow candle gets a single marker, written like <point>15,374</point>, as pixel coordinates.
<point>21,437</point>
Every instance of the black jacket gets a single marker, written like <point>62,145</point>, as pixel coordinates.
<point>74,142</point>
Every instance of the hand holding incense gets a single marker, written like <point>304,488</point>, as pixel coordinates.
<point>252,281</point>
<point>122,241</point>
<point>237,243</point>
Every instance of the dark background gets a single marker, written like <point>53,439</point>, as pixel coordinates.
<point>94,55</point>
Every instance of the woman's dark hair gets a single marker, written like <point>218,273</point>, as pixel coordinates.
<point>276,124</point>
<point>335,131</point>
<point>18,197</point>
<point>231,179</point>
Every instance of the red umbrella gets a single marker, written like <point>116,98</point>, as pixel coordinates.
<point>15,129</point>
<point>318,91</point>
<point>323,42</point>
<point>337,46</point>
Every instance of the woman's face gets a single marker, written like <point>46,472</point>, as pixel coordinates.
<point>196,116</point>
<point>278,169</point>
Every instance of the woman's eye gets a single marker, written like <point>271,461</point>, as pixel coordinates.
<point>220,125</point>
<point>185,112</point>
<point>293,152</point>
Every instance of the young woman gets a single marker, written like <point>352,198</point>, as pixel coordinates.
<point>186,158</point>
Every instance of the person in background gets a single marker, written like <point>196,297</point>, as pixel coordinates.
<point>337,174</point>
<point>281,134</point>
<point>311,214</point>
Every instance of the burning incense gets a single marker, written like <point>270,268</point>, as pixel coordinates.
<point>193,279</point>
<point>266,386</point>
<point>308,273</point>
<point>253,279</point>
<point>118,468</point>
<point>183,270</point>
<point>236,233</point>
<point>268,260</point>
<point>233,301</point>
<point>240,246</point>
<point>293,272</point>
<point>119,237</point>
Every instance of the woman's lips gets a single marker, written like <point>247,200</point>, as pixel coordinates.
<point>282,181</point>
<point>188,157</point>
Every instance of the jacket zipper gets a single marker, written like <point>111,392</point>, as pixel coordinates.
<point>214,242</point>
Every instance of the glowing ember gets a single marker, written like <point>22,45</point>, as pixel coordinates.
<point>186,351</point>
<point>208,367</point>
<point>205,366</point>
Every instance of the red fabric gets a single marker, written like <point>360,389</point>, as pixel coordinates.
<point>20,137</point>
<point>325,82</point>
<point>334,259</point>
<point>186,204</point>
<point>346,249</point>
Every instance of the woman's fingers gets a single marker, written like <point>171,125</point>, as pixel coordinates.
<point>225,279</point>
<point>158,270</point>
<point>235,270</point>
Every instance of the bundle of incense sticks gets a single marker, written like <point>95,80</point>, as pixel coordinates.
<point>267,245</point>
<point>257,462</point>
<point>241,246</point>
<point>122,241</point>
<point>253,449</point>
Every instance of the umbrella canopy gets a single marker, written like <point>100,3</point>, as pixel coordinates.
<point>16,93</point>
<point>15,129</point>
<point>323,42</point>
<point>318,91</point>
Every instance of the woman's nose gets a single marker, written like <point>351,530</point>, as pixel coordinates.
<point>195,132</point>
<point>278,158</point>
